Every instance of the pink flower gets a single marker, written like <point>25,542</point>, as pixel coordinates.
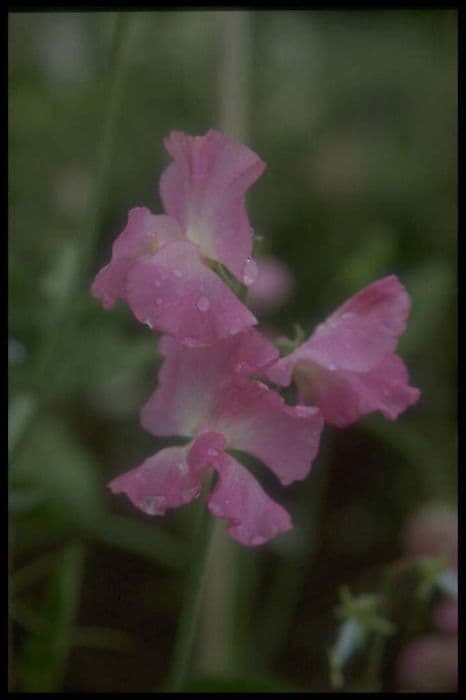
<point>207,395</point>
<point>162,265</point>
<point>348,366</point>
<point>273,287</point>
<point>429,663</point>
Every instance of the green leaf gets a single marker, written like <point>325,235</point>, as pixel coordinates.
<point>44,657</point>
<point>54,463</point>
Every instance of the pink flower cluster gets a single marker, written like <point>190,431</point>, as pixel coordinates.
<point>168,268</point>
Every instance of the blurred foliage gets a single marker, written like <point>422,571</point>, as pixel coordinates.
<point>355,114</point>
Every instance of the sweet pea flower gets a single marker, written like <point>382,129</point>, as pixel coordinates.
<point>207,394</point>
<point>163,265</point>
<point>348,366</point>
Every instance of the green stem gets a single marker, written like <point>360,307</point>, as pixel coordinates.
<point>219,649</point>
<point>64,313</point>
<point>193,598</point>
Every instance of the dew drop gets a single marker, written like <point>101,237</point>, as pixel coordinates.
<point>153,505</point>
<point>249,272</point>
<point>203,304</point>
<point>148,323</point>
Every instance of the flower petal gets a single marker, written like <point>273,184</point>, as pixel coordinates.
<point>344,396</point>
<point>142,235</point>
<point>204,189</point>
<point>206,451</point>
<point>358,335</point>
<point>253,517</point>
<point>256,419</point>
<point>191,380</point>
<point>176,293</point>
<point>163,481</point>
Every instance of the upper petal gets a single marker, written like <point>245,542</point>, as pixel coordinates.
<point>253,517</point>
<point>191,380</point>
<point>256,419</point>
<point>204,190</point>
<point>143,234</point>
<point>357,335</point>
<point>163,481</point>
<point>344,396</point>
<point>174,292</point>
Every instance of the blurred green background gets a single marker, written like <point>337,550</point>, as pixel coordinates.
<point>355,114</point>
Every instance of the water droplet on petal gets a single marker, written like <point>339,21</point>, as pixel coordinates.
<point>148,323</point>
<point>153,505</point>
<point>203,304</point>
<point>249,272</point>
<point>183,467</point>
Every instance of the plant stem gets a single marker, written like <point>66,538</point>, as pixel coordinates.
<point>193,598</point>
<point>218,647</point>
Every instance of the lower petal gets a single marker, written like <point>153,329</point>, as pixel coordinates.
<point>163,481</point>
<point>345,396</point>
<point>176,293</point>
<point>253,517</point>
<point>256,419</point>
